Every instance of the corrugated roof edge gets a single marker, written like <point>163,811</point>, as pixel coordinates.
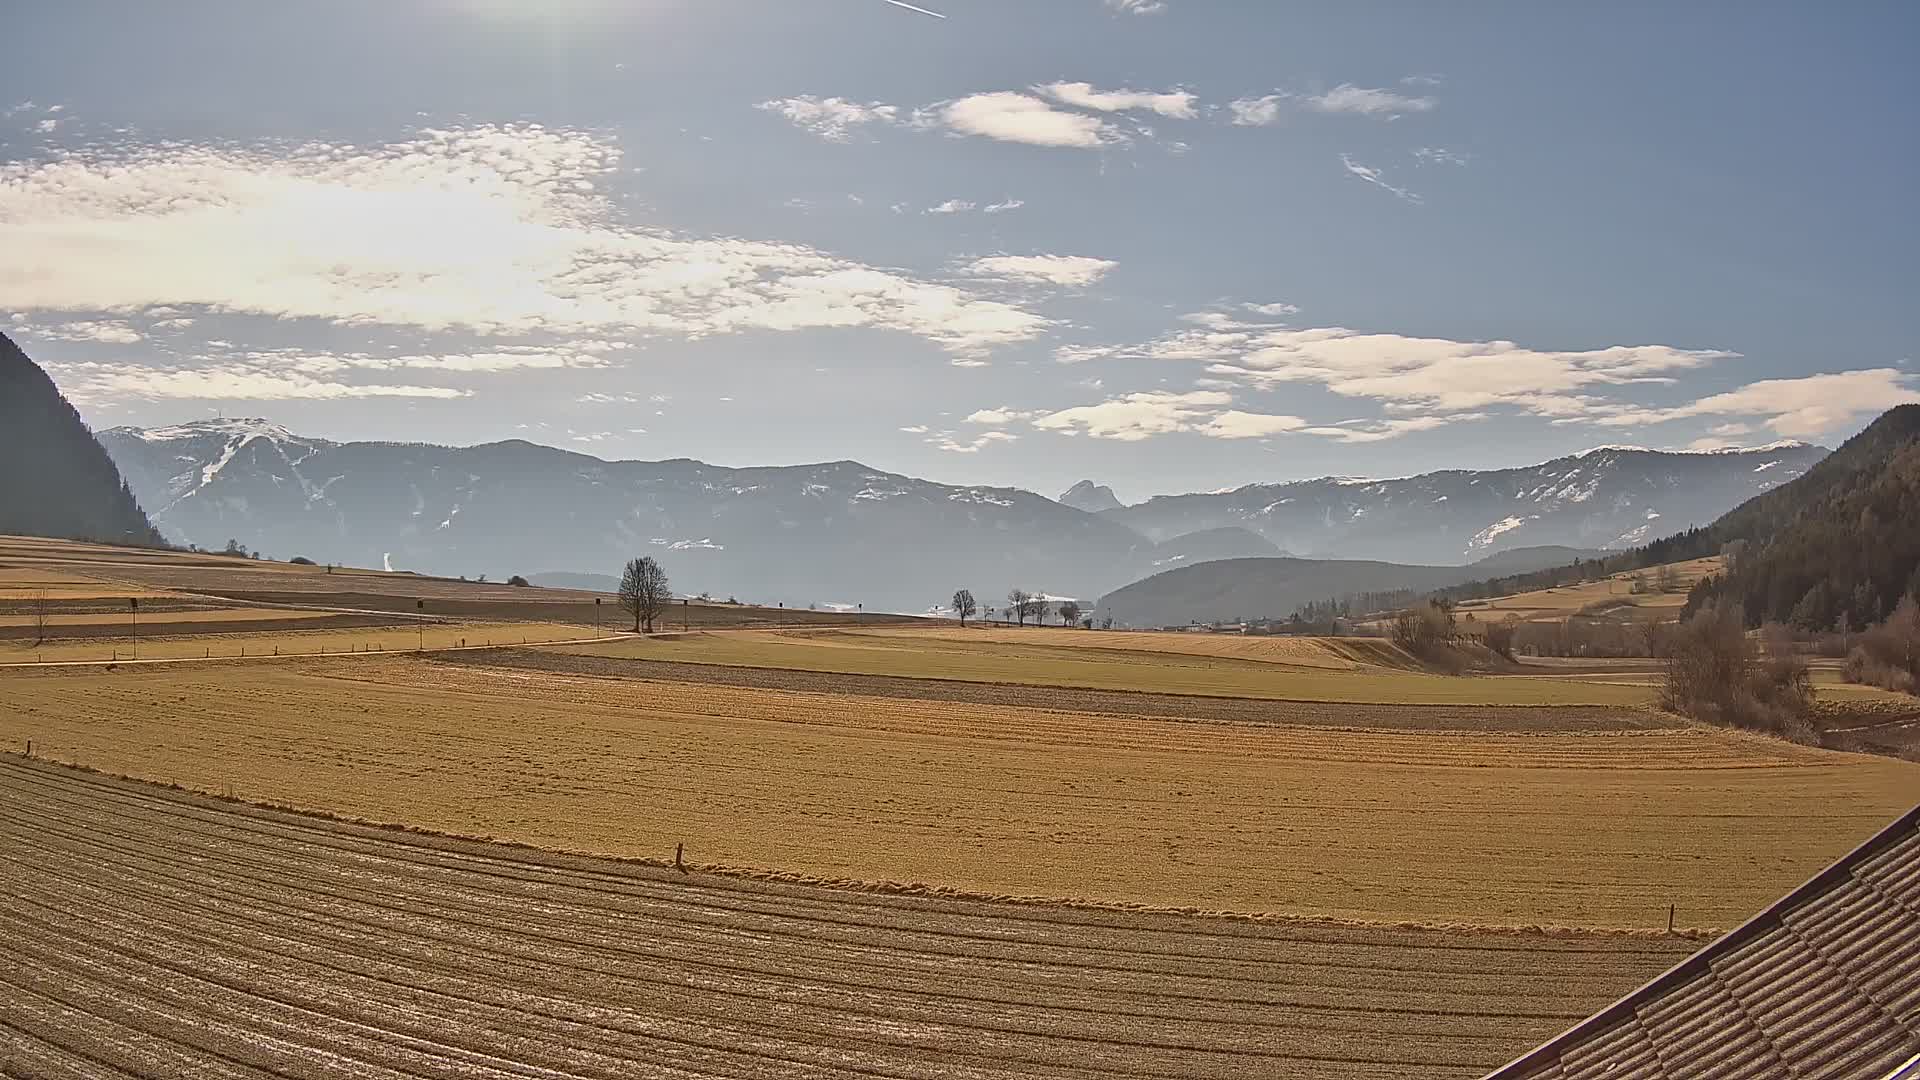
<point>1685,970</point>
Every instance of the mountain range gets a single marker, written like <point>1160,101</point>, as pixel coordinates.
<point>844,532</point>
<point>55,480</point>
<point>1607,497</point>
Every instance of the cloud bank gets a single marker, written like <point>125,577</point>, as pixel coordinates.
<point>493,230</point>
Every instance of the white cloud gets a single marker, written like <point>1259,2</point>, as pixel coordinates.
<point>1217,320</point>
<point>1359,431</point>
<point>499,231</point>
<point>951,206</point>
<point>1133,417</point>
<point>1439,155</point>
<point>1075,354</point>
<point>954,444</point>
<point>1364,101</point>
<point>508,358</point>
<point>1075,270</point>
<point>1275,309</point>
<point>1256,111</point>
<point>1207,412</point>
<point>1797,408</point>
<point>1377,178</point>
<point>1004,206</point>
<point>607,399</point>
<point>1234,424</point>
<point>96,382</point>
<point>109,332</point>
<point>1409,374</point>
<point>46,126</point>
<point>1345,99</point>
<point>1015,117</point>
<point>915,429</point>
<point>1138,7</point>
<point>1177,104</point>
<point>1003,415</point>
<point>830,118</point>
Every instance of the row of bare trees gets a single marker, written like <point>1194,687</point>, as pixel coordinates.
<point>1021,606</point>
<point>1715,671</point>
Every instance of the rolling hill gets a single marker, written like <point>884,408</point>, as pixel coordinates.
<point>1232,589</point>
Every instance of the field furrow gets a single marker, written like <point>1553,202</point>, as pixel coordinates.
<point>168,934</point>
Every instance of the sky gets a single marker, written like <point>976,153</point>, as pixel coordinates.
<point>1168,245</point>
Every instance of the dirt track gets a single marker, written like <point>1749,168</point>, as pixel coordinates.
<point>1585,718</point>
<point>150,932</point>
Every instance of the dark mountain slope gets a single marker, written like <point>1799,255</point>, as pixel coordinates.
<point>1840,543</point>
<point>55,480</point>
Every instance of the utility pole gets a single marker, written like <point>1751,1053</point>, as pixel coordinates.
<point>596,615</point>
<point>421,606</point>
<point>133,606</point>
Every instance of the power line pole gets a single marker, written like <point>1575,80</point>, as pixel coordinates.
<point>133,605</point>
<point>421,607</point>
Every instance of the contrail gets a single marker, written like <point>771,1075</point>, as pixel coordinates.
<point>910,7</point>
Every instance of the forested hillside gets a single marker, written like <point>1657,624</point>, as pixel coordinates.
<point>1836,548</point>
<point>55,480</point>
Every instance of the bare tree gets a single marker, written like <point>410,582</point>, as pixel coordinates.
<point>1037,607</point>
<point>643,592</point>
<point>1716,673</point>
<point>1667,579</point>
<point>1069,612</point>
<point>1018,603</point>
<point>40,618</point>
<point>964,605</point>
<point>1500,635</point>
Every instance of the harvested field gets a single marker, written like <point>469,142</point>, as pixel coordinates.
<point>1337,654</point>
<point>1612,597</point>
<point>537,605</point>
<point>333,634</point>
<point>1510,828</point>
<point>156,932</point>
<point>1357,715</point>
<point>98,627</point>
<point>942,655</point>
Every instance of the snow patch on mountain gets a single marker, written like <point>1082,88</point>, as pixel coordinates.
<point>1492,532</point>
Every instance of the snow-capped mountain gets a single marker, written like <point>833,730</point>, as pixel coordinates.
<point>842,532</point>
<point>1607,497</point>
<point>833,532</point>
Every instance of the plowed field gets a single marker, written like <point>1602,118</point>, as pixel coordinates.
<point>1514,827</point>
<point>156,933</point>
<point>990,657</point>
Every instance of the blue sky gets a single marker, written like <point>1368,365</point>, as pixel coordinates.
<point>1172,246</point>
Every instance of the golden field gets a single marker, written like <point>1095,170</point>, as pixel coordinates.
<point>1292,669</point>
<point>1599,829</point>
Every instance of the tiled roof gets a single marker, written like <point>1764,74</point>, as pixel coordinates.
<point>1825,983</point>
